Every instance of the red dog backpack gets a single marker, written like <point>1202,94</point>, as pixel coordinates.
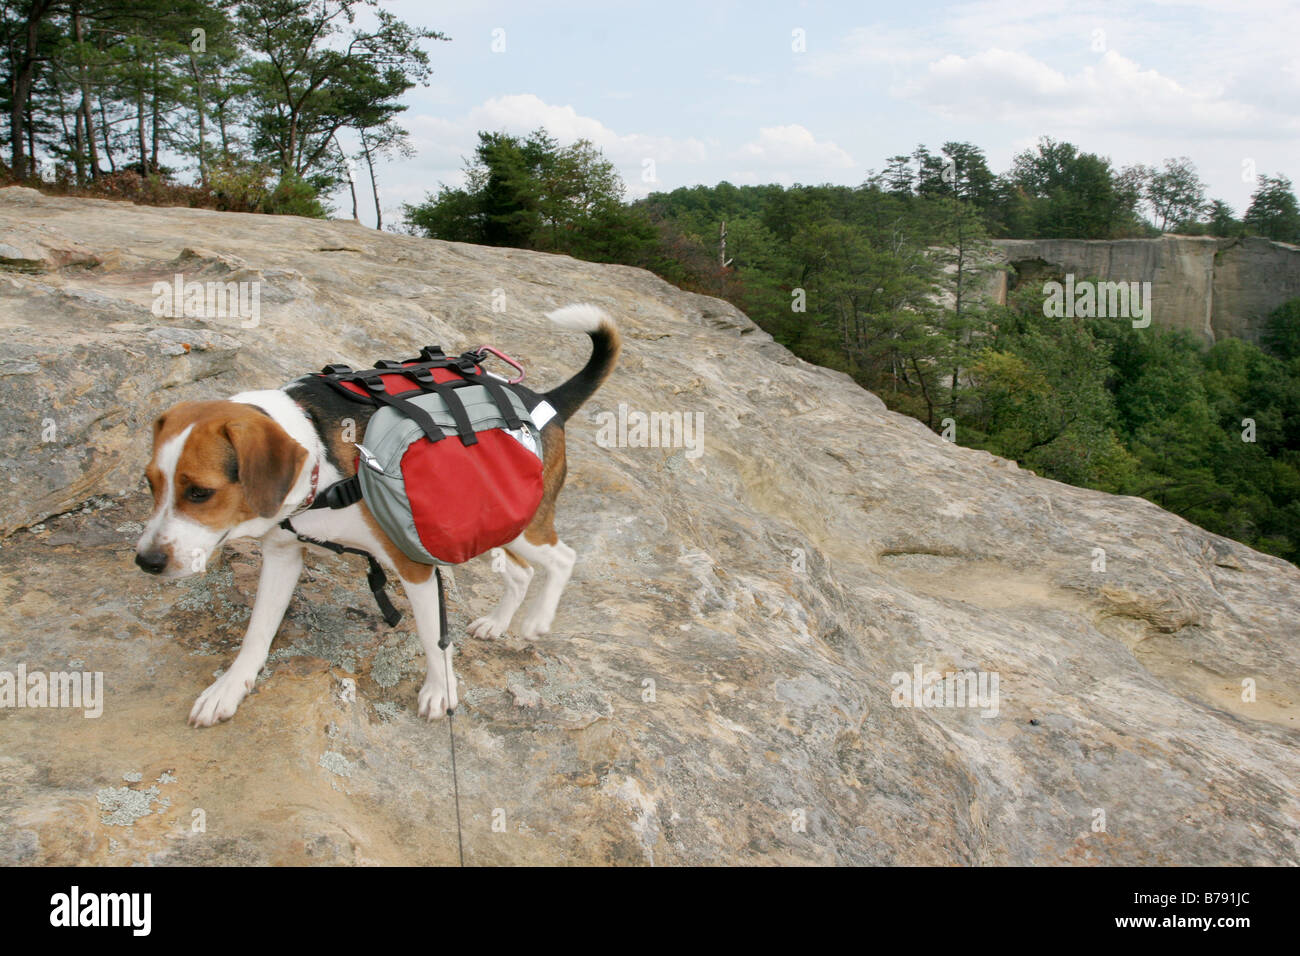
<point>450,465</point>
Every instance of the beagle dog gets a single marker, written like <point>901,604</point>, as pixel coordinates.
<point>238,467</point>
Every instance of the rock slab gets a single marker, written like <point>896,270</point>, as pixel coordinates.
<point>723,681</point>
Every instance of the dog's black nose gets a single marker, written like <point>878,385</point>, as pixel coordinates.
<point>152,561</point>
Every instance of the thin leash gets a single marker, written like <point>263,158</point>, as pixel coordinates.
<point>370,386</point>
<point>443,644</point>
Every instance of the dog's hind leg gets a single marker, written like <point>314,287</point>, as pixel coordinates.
<point>516,574</point>
<point>540,546</point>
<point>438,695</point>
<point>557,560</point>
<point>281,567</point>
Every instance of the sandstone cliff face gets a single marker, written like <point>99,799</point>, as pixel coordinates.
<point>1210,287</point>
<point>718,684</point>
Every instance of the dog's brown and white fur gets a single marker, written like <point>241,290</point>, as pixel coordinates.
<point>237,468</point>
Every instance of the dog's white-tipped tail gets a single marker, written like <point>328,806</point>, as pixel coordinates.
<point>605,347</point>
<point>580,318</point>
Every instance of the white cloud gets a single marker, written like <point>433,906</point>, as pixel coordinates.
<point>443,144</point>
<point>524,112</point>
<point>864,46</point>
<point>795,148</point>
<point>1114,93</point>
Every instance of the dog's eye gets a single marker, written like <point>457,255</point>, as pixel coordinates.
<point>195,493</point>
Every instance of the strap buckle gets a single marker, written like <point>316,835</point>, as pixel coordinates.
<point>342,494</point>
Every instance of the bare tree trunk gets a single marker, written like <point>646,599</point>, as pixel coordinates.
<point>63,117</point>
<point>352,186</point>
<point>139,130</point>
<point>925,393</point>
<point>22,88</point>
<point>21,91</point>
<point>92,149</point>
<point>154,121</point>
<point>30,123</point>
<point>79,144</point>
<point>108,146</point>
<point>83,82</point>
<point>959,331</point>
<point>289,163</point>
<point>374,186</point>
<point>198,106</point>
<point>221,129</point>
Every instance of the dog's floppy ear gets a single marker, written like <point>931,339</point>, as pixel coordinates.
<point>268,461</point>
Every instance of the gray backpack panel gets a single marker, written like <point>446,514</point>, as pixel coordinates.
<point>390,433</point>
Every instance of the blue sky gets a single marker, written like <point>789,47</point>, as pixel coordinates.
<point>698,92</point>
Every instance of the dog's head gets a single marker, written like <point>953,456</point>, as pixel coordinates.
<point>219,470</point>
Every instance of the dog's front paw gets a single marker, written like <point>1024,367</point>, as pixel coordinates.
<point>434,701</point>
<point>487,627</point>
<point>220,701</point>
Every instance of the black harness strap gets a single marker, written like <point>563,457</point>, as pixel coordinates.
<point>502,400</point>
<point>414,412</point>
<point>464,428</point>
<point>375,576</point>
<point>420,371</point>
<point>443,641</point>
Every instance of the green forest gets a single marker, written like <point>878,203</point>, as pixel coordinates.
<point>251,99</point>
<point>882,281</point>
<point>246,107</point>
